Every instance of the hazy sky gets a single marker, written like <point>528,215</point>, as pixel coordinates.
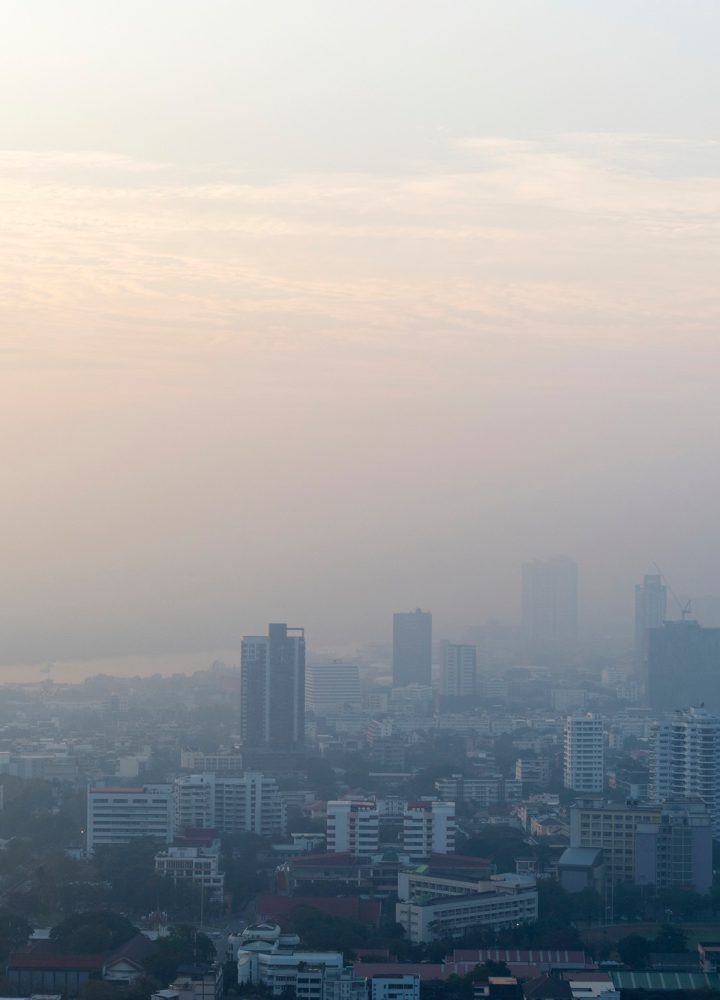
<point>314,310</point>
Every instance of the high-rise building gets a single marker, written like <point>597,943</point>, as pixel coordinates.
<point>550,605</point>
<point>683,666</point>
<point>246,803</point>
<point>117,815</point>
<point>272,688</point>
<point>584,755</point>
<point>660,756</point>
<point>650,611</point>
<point>685,760</point>
<point>412,648</point>
<point>332,687</point>
<point>429,828</point>
<point>353,827</point>
<point>458,670</point>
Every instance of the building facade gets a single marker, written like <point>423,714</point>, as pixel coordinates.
<point>550,605</point>
<point>504,901</point>
<point>612,827</point>
<point>429,828</point>
<point>685,759</point>
<point>676,852</point>
<point>246,803</point>
<point>412,648</point>
<point>198,865</point>
<point>650,612</point>
<point>683,649</point>
<point>584,753</point>
<point>332,687</point>
<point>458,670</point>
<point>117,815</point>
<point>272,688</point>
<point>353,827</point>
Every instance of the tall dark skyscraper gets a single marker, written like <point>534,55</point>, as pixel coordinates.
<point>412,648</point>
<point>550,605</point>
<point>683,666</point>
<point>650,611</point>
<point>272,688</point>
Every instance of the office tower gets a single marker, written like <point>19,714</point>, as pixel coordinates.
<point>637,840</point>
<point>458,670</point>
<point>353,827</point>
<point>412,648</point>
<point>332,687</point>
<point>429,828</point>
<point>685,759</point>
<point>584,753</point>
<point>550,605</point>
<point>118,815</point>
<point>246,803</point>
<point>650,610</point>
<point>272,688</point>
<point>683,666</point>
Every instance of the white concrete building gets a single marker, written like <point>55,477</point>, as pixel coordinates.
<point>353,826</point>
<point>502,901</point>
<point>458,670</point>
<point>199,865</point>
<point>332,687</point>
<point>429,828</point>
<point>118,815</point>
<point>686,760</point>
<point>246,803</point>
<point>302,972</point>
<point>395,987</point>
<point>584,753</point>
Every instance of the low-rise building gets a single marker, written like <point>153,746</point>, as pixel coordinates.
<point>395,987</point>
<point>502,901</point>
<point>199,865</point>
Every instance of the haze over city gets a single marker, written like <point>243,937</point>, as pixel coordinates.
<point>312,312</point>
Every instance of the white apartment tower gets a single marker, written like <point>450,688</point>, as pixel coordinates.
<point>686,759</point>
<point>584,753</point>
<point>429,828</point>
<point>353,827</point>
<point>458,670</point>
<point>246,803</point>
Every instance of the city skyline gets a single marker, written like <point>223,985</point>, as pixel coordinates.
<point>406,295</point>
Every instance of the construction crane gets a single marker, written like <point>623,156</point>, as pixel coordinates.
<point>685,609</point>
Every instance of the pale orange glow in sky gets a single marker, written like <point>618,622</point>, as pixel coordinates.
<point>320,311</point>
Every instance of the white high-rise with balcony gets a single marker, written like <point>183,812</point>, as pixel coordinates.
<point>584,753</point>
<point>353,826</point>
<point>429,828</point>
<point>685,759</point>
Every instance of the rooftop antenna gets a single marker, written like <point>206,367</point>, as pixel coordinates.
<point>685,609</point>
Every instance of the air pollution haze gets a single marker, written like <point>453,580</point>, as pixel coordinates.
<point>312,312</point>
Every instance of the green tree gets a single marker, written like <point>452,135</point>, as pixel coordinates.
<point>184,945</point>
<point>670,938</point>
<point>93,932</point>
<point>14,932</point>
<point>634,950</point>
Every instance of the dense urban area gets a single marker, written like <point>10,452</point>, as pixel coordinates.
<point>512,816</point>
